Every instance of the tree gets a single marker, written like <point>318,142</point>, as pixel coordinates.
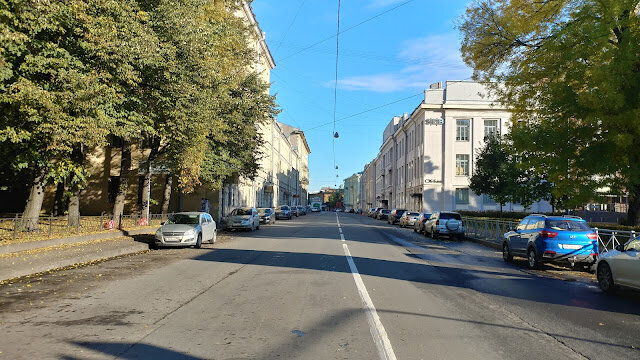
<point>570,72</point>
<point>334,198</point>
<point>496,172</point>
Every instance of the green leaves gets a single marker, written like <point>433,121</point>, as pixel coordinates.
<point>571,75</point>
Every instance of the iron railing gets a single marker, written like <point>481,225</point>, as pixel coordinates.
<point>493,230</point>
<point>19,228</point>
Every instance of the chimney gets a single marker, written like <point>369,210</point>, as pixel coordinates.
<point>437,85</point>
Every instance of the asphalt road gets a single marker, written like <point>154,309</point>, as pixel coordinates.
<point>296,290</point>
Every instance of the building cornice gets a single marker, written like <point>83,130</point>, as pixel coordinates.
<point>246,7</point>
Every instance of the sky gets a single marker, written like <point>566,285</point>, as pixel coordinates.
<point>384,66</point>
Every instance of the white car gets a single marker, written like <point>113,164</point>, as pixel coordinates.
<point>244,218</point>
<point>620,267</point>
<point>187,229</point>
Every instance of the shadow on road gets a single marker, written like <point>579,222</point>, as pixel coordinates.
<point>132,351</point>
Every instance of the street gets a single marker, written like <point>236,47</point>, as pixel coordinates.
<point>321,286</point>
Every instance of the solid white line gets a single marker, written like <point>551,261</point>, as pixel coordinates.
<point>378,332</point>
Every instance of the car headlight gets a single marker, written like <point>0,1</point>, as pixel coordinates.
<point>159,234</point>
<point>245,222</point>
<point>189,233</point>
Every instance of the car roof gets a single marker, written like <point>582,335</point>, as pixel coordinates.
<point>188,213</point>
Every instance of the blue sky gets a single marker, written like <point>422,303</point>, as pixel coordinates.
<point>392,57</point>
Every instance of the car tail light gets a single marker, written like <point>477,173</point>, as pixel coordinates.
<point>549,252</point>
<point>437,222</point>
<point>548,234</point>
<point>592,236</point>
<point>595,255</point>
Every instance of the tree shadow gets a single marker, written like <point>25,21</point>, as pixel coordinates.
<point>123,350</point>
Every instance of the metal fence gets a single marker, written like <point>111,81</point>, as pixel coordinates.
<point>493,230</point>
<point>18,228</point>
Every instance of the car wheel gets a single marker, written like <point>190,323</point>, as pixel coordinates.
<point>506,253</point>
<point>415,230</point>
<point>532,259</point>
<point>198,244</point>
<point>605,278</point>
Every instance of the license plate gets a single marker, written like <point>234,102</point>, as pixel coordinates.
<point>571,247</point>
<point>171,239</point>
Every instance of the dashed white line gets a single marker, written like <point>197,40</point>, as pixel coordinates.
<point>378,332</point>
<point>342,237</point>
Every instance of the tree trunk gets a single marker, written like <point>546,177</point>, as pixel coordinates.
<point>633,212</point>
<point>34,203</point>
<point>166,197</point>
<point>58,202</point>
<point>125,165</point>
<point>74,209</point>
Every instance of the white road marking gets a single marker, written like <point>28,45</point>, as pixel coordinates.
<point>378,332</point>
<point>340,229</point>
<point>342,237</point>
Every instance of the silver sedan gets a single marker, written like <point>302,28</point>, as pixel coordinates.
<point>186,229</point>
<point>620,267</point>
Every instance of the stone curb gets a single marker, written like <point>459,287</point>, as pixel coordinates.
<point>20,271</point>
<point>30,245</point>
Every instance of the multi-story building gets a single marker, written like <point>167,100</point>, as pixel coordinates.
<point>426,159</point>
<point>352,191</point>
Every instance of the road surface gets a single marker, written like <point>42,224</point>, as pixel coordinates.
<point>297,290</point>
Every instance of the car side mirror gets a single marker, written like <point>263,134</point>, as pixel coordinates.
<point>620,247</point>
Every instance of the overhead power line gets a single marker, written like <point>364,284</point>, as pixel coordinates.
<point>365,111</point>
<point>344,31</point>
<point>335,92</point>
<point>290,25</point>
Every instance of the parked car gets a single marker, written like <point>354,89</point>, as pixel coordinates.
<point>351,211</point>
<point>445,223</point>
<point>245,218</point>
<point>620,267</point>
<point>372,212</point>
<point>267,215</point>
<point>294,211</point>
<point>301,210</point>
<point>394,215</point>
<point>418,226</point>
<point>359,211</point>
<point>284,212</point>
<point>541,238</point>
<point>383,214</point>
<point>408,218</point>
<point>186,229</point>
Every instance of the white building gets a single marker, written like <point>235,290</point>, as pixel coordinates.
<point>352,191</point>
<point>427,158</point>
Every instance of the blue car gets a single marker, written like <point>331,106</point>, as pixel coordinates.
<point>560,239</point>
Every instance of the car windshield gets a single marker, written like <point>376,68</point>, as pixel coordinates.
<point>568,225</point>
<point>450,216</point>
<point>188,219</point>
<point>426,216</point>
<point>264,211</point>
<point>284,208</point>
<point>413,214</point>
<point>384,211</point>
<point>241,212</point>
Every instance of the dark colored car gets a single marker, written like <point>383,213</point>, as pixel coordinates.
<point>418,226</point>
<point>542,238</point>
<point>283,212</point>
<point>301,210</point>
<point>294,211</point>
<point>383,214</point>
<point>395,215</point>
<point>267,216</point>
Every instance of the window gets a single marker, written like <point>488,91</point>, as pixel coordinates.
<point>491,128</point>
<point>462,130</point>
<point>488,200</point>
<point>523,224</point>
<point>462,164</point>
<point>462,196</point>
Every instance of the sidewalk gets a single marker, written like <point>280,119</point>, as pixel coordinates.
<point>28,258</point>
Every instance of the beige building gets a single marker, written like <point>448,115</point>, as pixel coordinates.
<point>427,158</point>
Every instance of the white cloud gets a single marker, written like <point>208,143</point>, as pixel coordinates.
<point>427,60</point>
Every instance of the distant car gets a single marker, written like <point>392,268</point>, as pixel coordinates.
<point>284,212</point>
<point>377,213</point>
<point>383,214</point>
<point>359,211</point>
<point>372,212</point>
<point>418,226</point>
<point>445,223</point>
<point>351,211</point>
<point>339,210</point>
<point>394,215</point>
<point>294,211</point>
<point>408,218</point>
<point>186,229</point>
<point>620,267</point>
<point>267,215</point>
<point>541,238</point>
<point>302,210</point>
<point>245,218</point>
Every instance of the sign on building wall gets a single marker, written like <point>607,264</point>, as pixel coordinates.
<point>434,121</point>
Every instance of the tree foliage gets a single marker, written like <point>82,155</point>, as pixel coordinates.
<point>570,72</point>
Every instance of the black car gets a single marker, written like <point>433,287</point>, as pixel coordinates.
<point>395,215</point>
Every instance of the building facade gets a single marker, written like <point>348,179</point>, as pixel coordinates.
<point>352,191</point>
<point>427,158</point>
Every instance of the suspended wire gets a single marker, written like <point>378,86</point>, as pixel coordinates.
<point>290,25</point>
<point>345,30</point>
<point>335,91</point>
<point>363,112</point>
